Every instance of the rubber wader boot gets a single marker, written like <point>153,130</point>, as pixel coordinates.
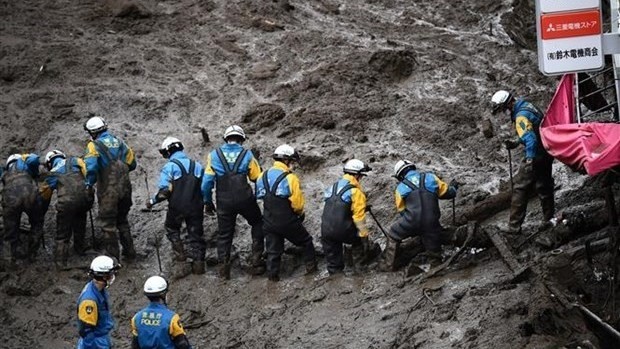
<point>311,267</point>
<point>112,249</point>
<point>224,270</point>
<point>258,263</point>
<point>198,267</point>
<point>61,250</point>
<point>388,259</point>
<point>178,251</point>
<point>129,251</point>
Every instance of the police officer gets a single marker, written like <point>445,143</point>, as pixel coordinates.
<point>228,168</point>
<point>156,326</point>
<point>95,321</point>
<point>67,175</point>
<point>535,171</point>
<point>21,194</point>
<point>417,200</point>
<point>108,163</point>
<point>180,183</point>
<point>344,216</point>
<point>283,200</point>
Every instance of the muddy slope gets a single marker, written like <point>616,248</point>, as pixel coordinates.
<point>378,80</point>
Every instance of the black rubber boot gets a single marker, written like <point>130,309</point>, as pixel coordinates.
<point>388,259</point>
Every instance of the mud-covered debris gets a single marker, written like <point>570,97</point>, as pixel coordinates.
<point>262,116</point>
<point>228,43</point>
<point>131,9</point>
<point>395,65</point>
<point>487,128</point>
<point>267,25</point>
<point>262,71</point>
<point>311,162</point>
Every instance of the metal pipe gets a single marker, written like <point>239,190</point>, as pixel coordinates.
<point>590,77</point>
<point>576,91</point>
<point>597,91</point>
<point>608,106</point>
<point>369,209</point>
<point>605,326</point>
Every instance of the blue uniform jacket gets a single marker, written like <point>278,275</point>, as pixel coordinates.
<point>96,161</point>
<point>28,163</point>
<point>432,183</point>
<point>215,168</point>
<point>155,327</point>
<point>58,167</point>
<point>527,119</point>
<point>171,172</point>
<point>95,321</point>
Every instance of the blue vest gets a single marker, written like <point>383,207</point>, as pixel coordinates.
<point>99,336</point>
<point>153,326</point>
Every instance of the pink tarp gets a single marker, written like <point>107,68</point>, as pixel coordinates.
<point>593,147</point>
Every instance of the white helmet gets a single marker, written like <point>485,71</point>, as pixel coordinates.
<point>401,167</point>
<point>169,146</point>
<point>50,156</point>
<point>234,130</point>
<point>285,152</point>
<point>356,167</point>
<point>103,268</point>
<point>12,158</point>
<point>95,124</point>
<point>499,101</point>
<point>155,286</point>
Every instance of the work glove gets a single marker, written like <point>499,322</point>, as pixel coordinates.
<point>527,165</point>
<point>368,208</point>
<point>511,143</point>
<point>210,209</point>
<point>454,183</point>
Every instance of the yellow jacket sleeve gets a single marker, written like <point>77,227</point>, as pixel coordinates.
<point>87,312</point>
<point>297,196</point>
<point>254,170</point>
<point>358,208</point>
<point>176,329</point>
<point>91,151</point>
<point>399,201</point>
<point>82,165</point>
<point>208,169</point>
<point>442,187</point>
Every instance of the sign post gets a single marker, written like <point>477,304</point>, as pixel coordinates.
<point>570,36</point>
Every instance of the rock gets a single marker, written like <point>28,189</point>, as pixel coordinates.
<point>263,71</point>
<point>395,65</point>
<point>131,9</point>
<point>487,128</point>
<point>266,24</point>
<point>263,115</point>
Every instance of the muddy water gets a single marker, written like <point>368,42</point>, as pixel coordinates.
<point>379,80</point>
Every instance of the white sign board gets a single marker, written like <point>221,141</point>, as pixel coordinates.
<point>547,6</point>
<point>582,53</point>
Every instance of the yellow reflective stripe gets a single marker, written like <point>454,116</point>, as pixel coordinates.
<point>297,196</point>
<point>442,187</point>
<point>254,170</point>
<point>134,329</point>
<point>522,125</point>
<point>176,329</point>
<point>400,202</point>
<point>87,312</point>
<point>91,151</point>
<point>82,166</point>
<point>208,169</point>
<point>129,159</point>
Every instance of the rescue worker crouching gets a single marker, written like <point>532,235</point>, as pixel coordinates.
<point>95,320</point>
<point>108,163</point>
<point>283,211</point>
<point>21,194</point>
<point>156,326</point>
<point>67,176</point>
<point>416,198</point>
<point>182,183</point>
<point>535,171</point>
<point>344,217</point>
<point>229,168</point>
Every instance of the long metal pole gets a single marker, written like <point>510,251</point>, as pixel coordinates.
<point>512,185</point>
<point>376,221</point>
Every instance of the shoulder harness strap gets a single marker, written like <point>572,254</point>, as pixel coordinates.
<point>178,163</point>
<point>222,158</point>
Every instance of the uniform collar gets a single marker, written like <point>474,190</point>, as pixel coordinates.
<point>351,179</point>
<point>280,166</point>
<point>177,155</point>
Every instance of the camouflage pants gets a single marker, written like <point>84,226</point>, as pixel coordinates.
<point>114,205</point>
